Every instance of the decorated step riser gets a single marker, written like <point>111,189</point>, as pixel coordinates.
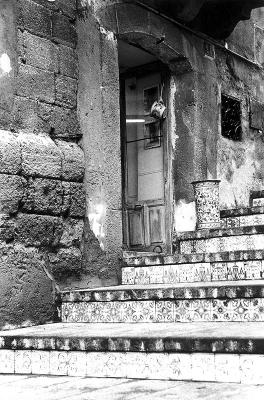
<point>258,202</point>
<point>201,310</point>
<point>180,366</point>
<point>242,221</point>
<point>223,244</point>
<point>198,272</point>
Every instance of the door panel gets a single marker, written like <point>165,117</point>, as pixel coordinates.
<point>144,204</point>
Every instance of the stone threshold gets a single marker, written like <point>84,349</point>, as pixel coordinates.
<point>211,337</point>
<point>243,255</point>
<point>215,233</point>
<point>195,290</point>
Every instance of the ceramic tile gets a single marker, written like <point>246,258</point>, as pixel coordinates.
<point>179,366</point>
<point>227,368</point>
<point>258,202</point>
<point>164,311</point>
<point>203,368</point>
<point>77,363</point>
<point>59,362</point>
<point>139,311</point>
<point>252,369</point>
<point>40,362</point>
<point>23,362</point>
<point>186,273</point>
<point>219,271</point>
<point>192,310</point>
<point>128,276</point>
<point>7,361</point>
<point>143,365</point>
<point>202,272</point>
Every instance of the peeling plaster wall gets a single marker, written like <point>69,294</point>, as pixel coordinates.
<point>42,201</point>
<point>98,102</point>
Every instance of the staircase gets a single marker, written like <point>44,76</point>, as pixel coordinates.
<point>195,315</point>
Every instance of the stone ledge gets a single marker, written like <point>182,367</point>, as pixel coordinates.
<point>216,233</point>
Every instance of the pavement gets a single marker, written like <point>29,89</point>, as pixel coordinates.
<point>29,387</point>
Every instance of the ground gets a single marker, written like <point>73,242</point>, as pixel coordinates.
<point>28,387</point>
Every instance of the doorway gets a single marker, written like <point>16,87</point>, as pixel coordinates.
<point>144,150</point>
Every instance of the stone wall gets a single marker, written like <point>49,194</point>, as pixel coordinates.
<point>42,201</point>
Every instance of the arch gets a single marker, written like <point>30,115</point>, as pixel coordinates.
<point>141,27</point>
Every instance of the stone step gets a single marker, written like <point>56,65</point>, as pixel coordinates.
<point>257,198</point>
<point>200,352</point>
<point>221,240</point>
<point>162,303</point>
<point>194,272</point>
<point>138,259</point>
<point>241,217</point>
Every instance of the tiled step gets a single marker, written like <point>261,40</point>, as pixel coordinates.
<point>221,240</point>
<point>140,260</point>
<point>257,198</point>
<point>241,217</point>
<point>199,352</point>
<point>193,272</point>
<point>163,303</point>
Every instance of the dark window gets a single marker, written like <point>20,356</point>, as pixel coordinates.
<point>231,118</point>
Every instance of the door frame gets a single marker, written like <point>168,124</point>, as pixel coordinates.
<point>141,71</point>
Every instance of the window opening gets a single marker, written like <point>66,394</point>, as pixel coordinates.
<point>231,118</point>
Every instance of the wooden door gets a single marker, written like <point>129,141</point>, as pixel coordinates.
<point>144,205</point>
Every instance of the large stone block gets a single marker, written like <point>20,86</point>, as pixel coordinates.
<point>26,291</point>
<point>45,196</point>
<point>63,30</point>
<point>59,121</point>
<point>7,228</point>
<point>75,198</point>
<point>66,91</point>
<point>67,7</point>
<point>72,161</point>
<point>68,61</point>
<point>40,156</point>
<point>72,233</point>
<point>25,116</point>
<point>40,52</point>
<point>11,193</point>
<point>34,17</point>
<point>35,83</point>
<point>65,262</point>
<point>10,154</point>
<point>38,230</point>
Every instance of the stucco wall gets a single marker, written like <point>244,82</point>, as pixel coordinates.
<point>42,202</point>
<point>199,150</point>
<point>98,106</point>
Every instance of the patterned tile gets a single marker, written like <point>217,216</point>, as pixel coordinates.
<point>7,361</point>
<point>139,311</point>
<point>164,311</point>
<point>252,369</point>
<point>77,363</point>
<point>179,366</point>
<point>203,368</point>
<point>219,271</point>
<point>258,202</point>
<point>227,368</point>
<point>59,362</point>
<point>40,362</point>
<point>23,362</point>
<point>192,310</point>
<point>128,276</point>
